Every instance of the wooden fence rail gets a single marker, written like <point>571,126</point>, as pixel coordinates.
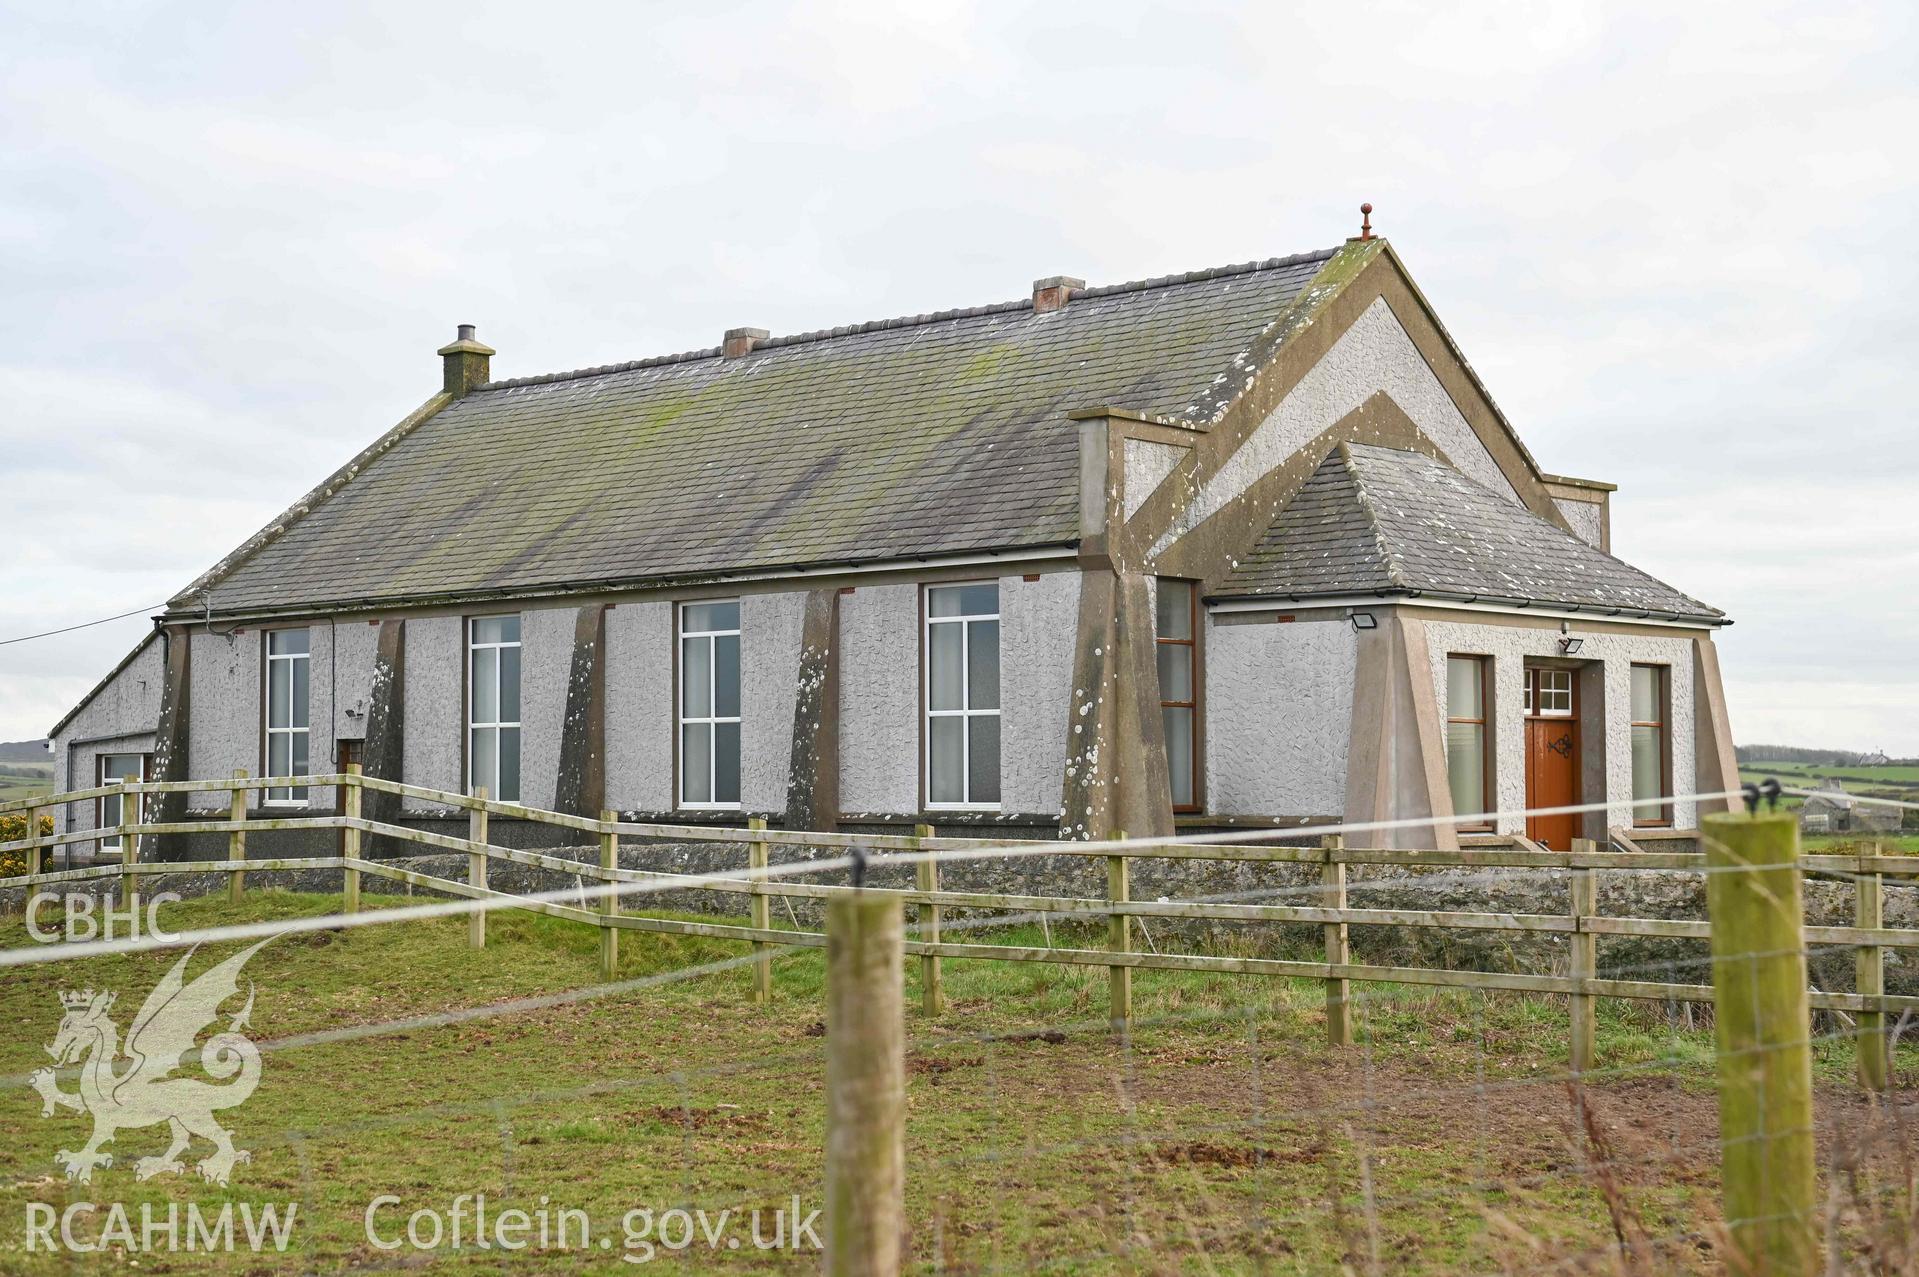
<point>931,942</point>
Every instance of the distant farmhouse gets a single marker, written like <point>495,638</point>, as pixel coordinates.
<point>1245,546</point>
<point>1833,811</point>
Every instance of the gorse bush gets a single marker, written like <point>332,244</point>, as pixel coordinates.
<point>13,828</point>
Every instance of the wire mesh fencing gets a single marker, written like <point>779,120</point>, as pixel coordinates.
<point>506,1107</point>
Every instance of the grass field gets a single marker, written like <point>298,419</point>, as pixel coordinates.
<point>12,787</point>
<point>1223,1138</point>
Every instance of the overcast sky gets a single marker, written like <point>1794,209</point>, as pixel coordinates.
<point>1676,241</point>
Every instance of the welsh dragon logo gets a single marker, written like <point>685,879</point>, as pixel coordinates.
<point>135,1086</point>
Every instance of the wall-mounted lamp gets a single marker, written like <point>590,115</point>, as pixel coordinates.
<point>1570,646</point>
<point>1365,621</point>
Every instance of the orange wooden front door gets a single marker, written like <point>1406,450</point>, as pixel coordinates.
<point>1552,757</point>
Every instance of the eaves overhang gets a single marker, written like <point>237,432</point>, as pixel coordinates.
<point>576,589</point>
<point>1512,606</point>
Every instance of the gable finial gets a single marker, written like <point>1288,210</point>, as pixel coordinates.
<point>1365,221</point>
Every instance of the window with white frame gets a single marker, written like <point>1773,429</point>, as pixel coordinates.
<point>710,704</point>
<point>117,809</point>
<point>288,660</point>
<point>493,707</point>
<point>1651,754</point>
<point>1548,693</point>
<point>962,695</point>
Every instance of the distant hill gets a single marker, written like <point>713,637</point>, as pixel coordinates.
<point>1813,757</point>
<point>25,751</point>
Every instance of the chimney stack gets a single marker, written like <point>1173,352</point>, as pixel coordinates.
<point>1051,293</point>
<point>468,363</point>
<point>740,341</point>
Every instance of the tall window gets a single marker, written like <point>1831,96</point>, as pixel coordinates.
<point>710,704</point>
<point>115,768</point>
<point>1179,688</point>
<point>493,706</point>
<point>287,666</point>
<point>962,695</point>
<point>1651,763</point>
<point>1467,741</point>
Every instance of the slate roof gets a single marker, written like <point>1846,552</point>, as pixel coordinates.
<point>1380,521</point>
<point>929,435</point>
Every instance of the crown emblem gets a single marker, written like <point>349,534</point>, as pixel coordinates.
<point>80,999</point>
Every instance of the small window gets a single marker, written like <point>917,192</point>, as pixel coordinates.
<point>1549,693</point>
<point>710,704</point>
<point>1651,759</point>
<point>962,695</point>
<point>1468,770</point>
<point>493,707</point>
<point>1178,649</point>
<point>115,769</point>
<point>288,661</point>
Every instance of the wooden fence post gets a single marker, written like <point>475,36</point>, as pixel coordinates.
<point>1119,939</point>
<point>237,839</point>
<point>1585,960</point>
<point>476,867</point>
<point>1869,911</point>
<point>610,902</point>
<point>756,859</point>
<point>932,986</point>
<point>1332,895</point>
<point>1763,1027</point>
<point>350,837</point>
<point>865,1085</point>
<point>37,854</point>
<point>132,812</point>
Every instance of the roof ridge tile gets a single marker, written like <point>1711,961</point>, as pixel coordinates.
<point>914,321</point>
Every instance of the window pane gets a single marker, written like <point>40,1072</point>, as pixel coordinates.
<point>279,754</point>
<point>1462,687</point>
<point>299,742</point>
<point>509,685</point>
<point>726,676</point>
<point>486,685</point>
<point>1648,772</point>
<point>696,763</point>
<point>944,742</point>
<point>509,765</point>
<point>963,600</point>
<point>1178,723</point>
<point>1645,694</point>
<point>944,655</point>
<point>120,767</point>
<point>696,678</point>
<point>1466,767</point>
<point>982,664</point>
<point>982,757</point>
<point>299,692</point>
<point>1175,672</point>
<point>286,642</point>
<point>485,763</point>
<point>1175,609</point>
<point>110,811</point>
<point>493,629</point>
<point>701,618</point>
<point>279,685</point>
<point>726,762</point>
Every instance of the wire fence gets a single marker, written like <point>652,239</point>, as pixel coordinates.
<point>1213,1128</point>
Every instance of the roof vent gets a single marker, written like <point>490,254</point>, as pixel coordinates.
<point>740,341</point>
<point>1051,293</point>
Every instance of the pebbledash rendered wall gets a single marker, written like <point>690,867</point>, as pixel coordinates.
<point>1607,670</point>
<point>118,720</point>
<point>879,701</point>
<point>1278,716</point>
